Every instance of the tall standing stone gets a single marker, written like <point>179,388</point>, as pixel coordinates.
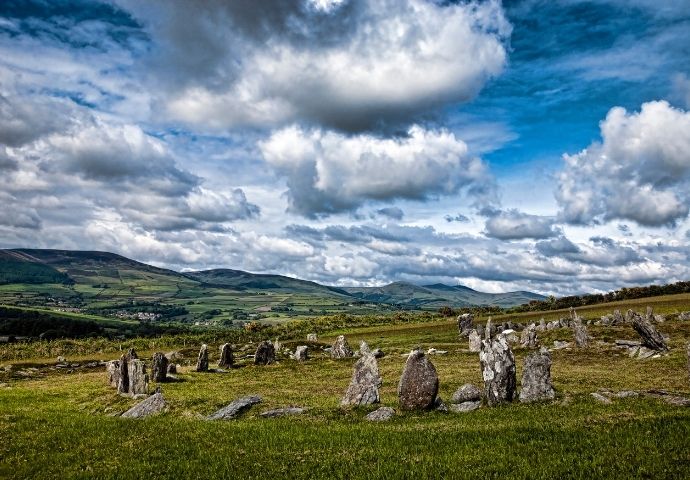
<point>688,354</point>
<point>418,385</point>
<point>123,376</point>
<point>112,370</point>
<point>498,370</point>
<point>202,360</point>
<point>340,348</point>
<point>365,382</point>
<point>159,367</point>
<point>475,341</point>
<point>528,337</point>
<point>138,380</point>
<point>265,354</point>
<point>651,338</point>
<point>489,330</point>
<point>465,324</point>
<point>226,359</point>
<point>536,378</point>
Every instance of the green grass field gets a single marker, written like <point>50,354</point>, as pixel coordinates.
<point>55,424</point>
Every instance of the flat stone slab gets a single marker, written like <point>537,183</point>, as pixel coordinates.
<point>465,406</point>
<point>381,415</point>
<point>152,405</point>
<point>600,398</point>
<point>235,408</point>
<point>283,412</point>
<point>628,343</point>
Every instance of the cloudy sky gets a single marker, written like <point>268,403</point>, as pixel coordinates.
<point>526,144</point>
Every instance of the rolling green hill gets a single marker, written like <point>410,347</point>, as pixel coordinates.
<point>110,285</point>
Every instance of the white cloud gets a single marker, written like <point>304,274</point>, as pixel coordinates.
<point>516,225</point>
<point>328,172</point>
<point>351,65</point>
<point>640,171</point>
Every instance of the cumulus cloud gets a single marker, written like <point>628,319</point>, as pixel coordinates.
<point>351,65</point>
<point>328,172</point>
<point>515,225</point>
<point>640,171</point>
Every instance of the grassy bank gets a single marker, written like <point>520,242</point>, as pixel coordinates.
<point>55,424</point>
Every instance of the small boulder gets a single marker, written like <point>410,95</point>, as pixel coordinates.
<point>153,404</point>
<point>312,337</point>
<point>172,368</point>
<point>301,353</point>
<point>418,386</point>
<point>378,353</point>
<point>202,360</point>
<point>466,393</point>
<point>340,348</point>
<point>381,415</point>
<point>536,378</point>
<point>235,408</point>
<point>265,354</point>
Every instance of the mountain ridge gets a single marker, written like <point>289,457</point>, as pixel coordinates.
<point>84,267</point>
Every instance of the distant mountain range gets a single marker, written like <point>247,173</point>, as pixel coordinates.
<point>94,269</point>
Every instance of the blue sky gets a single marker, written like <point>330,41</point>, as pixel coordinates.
<point>527,144</point>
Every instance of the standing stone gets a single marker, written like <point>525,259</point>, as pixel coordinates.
<point>202,360</point>
<point>265,354</point>
<point>581,336</point>
<point>154,404</point>
<point>489,330</point>
<point>465,324</point>
<point>536,378</point>
<point>112,370</point>
<point>617,318</point>
<point>365,383</point>
<point>688,354</point>
<point>364,348</point>
<point>312,337</point>
<point>651,337</point>
<point>340,348</point>
<point>301,353</point>
<point>629,315</point>
<point>123,374</point>
<point>475,341</point>
<point>528,337</point>
<point>418,385</point>
<point>138,380</point>
<point>226,359</point>
<point>498,370</point>
<point>172,368</point>
<point>159,367</point>
<point>480,330</point>
<point>683,316</point>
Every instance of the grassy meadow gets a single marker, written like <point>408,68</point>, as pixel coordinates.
<point>55,424</point>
